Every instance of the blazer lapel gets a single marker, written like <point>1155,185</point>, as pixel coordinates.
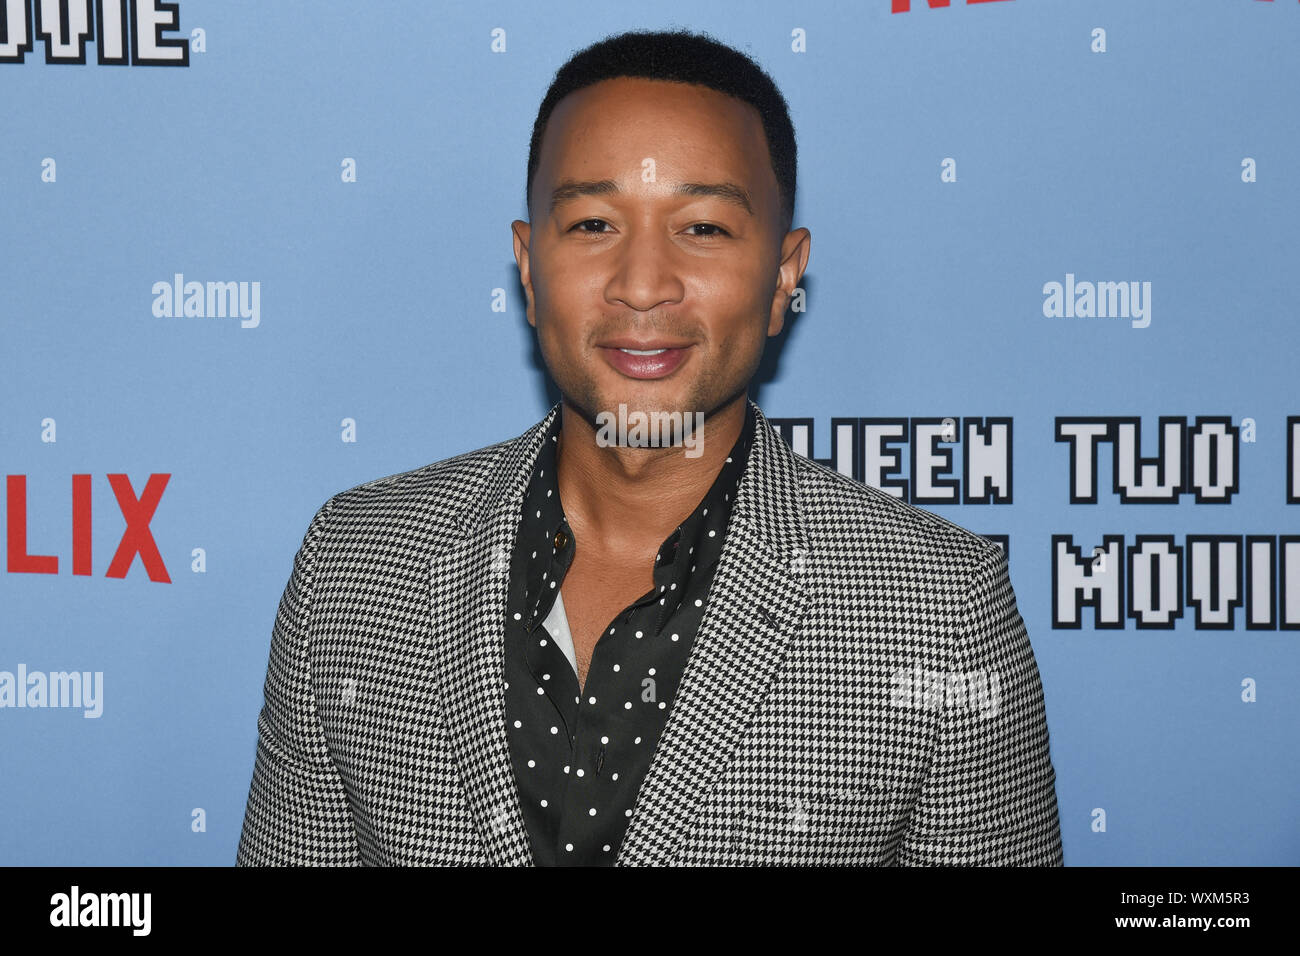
<point>754,605</point>
<point>468,581</point>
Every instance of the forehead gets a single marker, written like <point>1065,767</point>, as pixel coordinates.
<point>608,129</point>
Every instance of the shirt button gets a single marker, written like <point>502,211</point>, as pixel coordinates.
<point>561,539</point>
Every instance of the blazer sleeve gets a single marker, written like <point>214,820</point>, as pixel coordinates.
<point>990,796</point>
<point>297,812</point>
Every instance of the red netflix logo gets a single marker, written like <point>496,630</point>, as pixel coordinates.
<point>904,6</point>
<point>137,539</point>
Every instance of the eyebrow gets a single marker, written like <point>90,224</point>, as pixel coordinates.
<point>726,191</point>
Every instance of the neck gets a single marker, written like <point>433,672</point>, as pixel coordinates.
<point>630,499</point>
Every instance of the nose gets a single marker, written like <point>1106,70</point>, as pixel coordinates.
<point>646,273</point>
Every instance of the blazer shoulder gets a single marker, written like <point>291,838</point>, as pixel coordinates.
<point>844,510</point>
<point>434,493</point>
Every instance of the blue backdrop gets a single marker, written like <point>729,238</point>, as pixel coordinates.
<point>352,169</point>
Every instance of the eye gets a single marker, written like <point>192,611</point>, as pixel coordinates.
<point>712,230</point>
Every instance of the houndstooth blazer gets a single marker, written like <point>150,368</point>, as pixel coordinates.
<point>809,725</point>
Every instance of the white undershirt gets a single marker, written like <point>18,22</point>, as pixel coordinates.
<point>557,625</point>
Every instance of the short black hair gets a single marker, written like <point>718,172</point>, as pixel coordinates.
<point>683,57</point>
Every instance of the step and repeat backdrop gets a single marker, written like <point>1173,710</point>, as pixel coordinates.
<point>258,253</point>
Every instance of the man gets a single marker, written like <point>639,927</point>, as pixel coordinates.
<point>575,647</point>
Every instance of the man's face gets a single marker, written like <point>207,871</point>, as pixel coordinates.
<point>623,257</point>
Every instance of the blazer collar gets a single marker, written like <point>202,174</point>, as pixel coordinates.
<point>754,607</point>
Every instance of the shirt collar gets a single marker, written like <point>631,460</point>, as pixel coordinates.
<point>698,539</point>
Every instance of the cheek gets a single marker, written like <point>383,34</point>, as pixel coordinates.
<point>746,322</point>
<point>739,290</point>
<point>561,296</point>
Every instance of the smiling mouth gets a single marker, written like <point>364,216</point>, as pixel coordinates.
<point>645,363</point>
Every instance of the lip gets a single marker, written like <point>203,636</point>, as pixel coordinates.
<point>643,344</point>
<point>645,366</point>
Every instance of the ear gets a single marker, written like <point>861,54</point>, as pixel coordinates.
<point>522,231</point>
<point>795,249</point>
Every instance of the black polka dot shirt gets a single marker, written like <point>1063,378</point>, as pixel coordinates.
<point>579,756</point>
